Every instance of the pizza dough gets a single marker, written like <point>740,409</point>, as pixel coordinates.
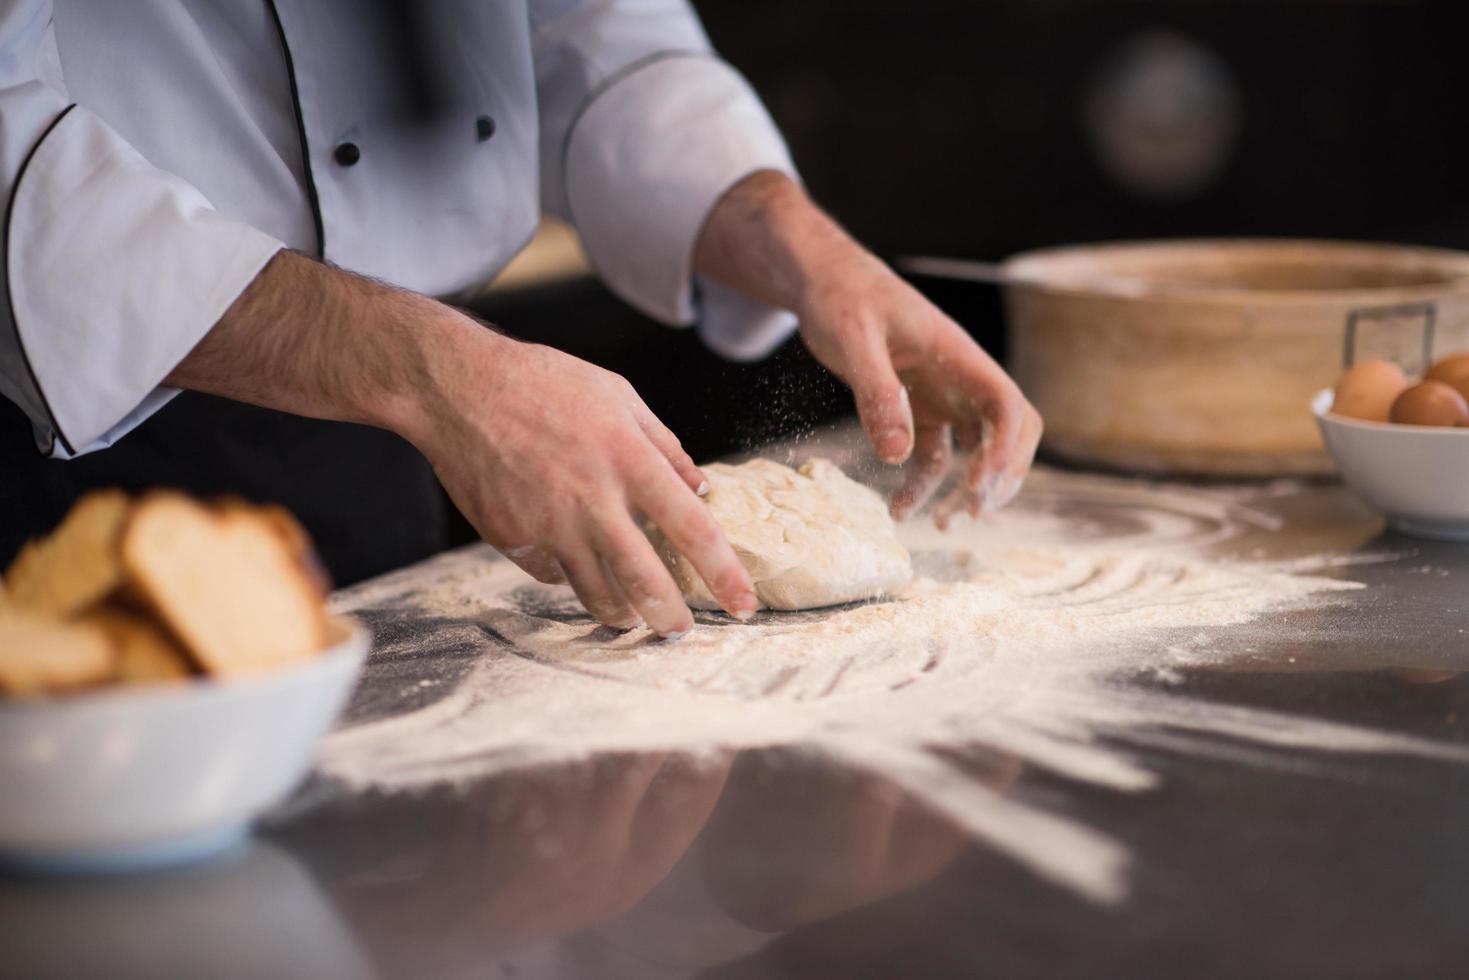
<point>808,539</point>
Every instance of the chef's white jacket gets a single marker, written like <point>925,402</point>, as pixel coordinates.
<point>156,153</point>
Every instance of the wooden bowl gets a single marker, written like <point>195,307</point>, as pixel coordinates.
<point>1201,357</point>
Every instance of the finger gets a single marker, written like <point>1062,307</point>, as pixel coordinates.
<point>694,533</point>
<point>988,408</point>
<point>933,452</point>
<point>537,563</point>
<point>1003,475</point>
<point>1004,415</point>
<point>963,498</point>
<point>642,578</point>
<point>1006,418</point>
<point>1001,491</point>
<point>979,493</point>
<point>1029,442</point>
<point>968,435</point>
<point>882,401</point>
<point>968,495</point>
<point>596,589</point>
<point>667,443</point>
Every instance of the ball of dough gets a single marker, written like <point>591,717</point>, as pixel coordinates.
<point>1368,390</point>
<point>808,539</point>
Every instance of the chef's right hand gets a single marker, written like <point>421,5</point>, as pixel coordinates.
<point>553,460</point>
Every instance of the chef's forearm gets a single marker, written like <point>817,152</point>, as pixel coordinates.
<point>310,339</point>
<point>766,238</point>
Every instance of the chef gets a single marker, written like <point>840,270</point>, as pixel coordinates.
<point>270,205</point>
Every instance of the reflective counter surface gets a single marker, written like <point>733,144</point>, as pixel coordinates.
<point>1256,792</point>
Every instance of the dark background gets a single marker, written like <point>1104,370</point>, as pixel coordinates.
<point>955,127</point>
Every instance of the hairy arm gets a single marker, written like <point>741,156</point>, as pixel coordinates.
<point>551,459</point>
<point>310,339</point>
<point>921,383</point>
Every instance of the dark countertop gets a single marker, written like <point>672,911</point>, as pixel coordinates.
<point>1253,851</point>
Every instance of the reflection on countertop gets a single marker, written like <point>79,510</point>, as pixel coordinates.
<point>729,849</point>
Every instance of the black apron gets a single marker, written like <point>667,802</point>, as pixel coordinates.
<point>369,499</point>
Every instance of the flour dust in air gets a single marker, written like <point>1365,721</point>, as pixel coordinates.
<point>1019,633</point>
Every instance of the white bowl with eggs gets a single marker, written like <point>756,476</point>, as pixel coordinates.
<point>1403,447</point>
<point>129,778</point>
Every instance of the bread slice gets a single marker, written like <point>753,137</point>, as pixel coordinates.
<point>297,541</point>
<point>226,583</point>
<point>142,651</point>
<point>76,566</point>
<point>39,655</point>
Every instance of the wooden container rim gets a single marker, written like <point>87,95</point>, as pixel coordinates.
<point>1453,263</point>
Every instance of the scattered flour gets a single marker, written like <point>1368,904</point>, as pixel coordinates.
<point>1019,635</point>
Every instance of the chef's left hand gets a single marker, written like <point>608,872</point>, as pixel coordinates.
<point>921,383</point>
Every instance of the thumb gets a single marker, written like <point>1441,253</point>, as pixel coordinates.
<point>882,403</point>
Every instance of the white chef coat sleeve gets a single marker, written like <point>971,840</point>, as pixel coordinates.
<point>112,269</point>
<point>643,128</point>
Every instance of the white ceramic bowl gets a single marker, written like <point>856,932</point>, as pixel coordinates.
<point>1417,476</point>
<point>140,777</point>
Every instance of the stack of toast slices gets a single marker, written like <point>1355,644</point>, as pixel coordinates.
<point>158,589</point>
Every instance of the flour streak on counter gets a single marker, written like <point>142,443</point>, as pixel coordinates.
<point>1022,636</point>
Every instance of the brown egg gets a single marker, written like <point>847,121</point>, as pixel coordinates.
<point>1430,403</point>
<point>1461,385</point>
<point>1449,368</point>
<point>1368,390</point>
